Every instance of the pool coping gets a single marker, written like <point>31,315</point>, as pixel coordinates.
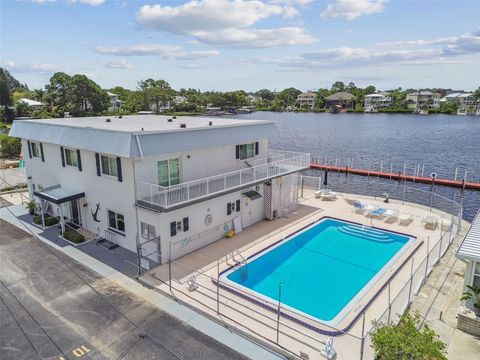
<point>271,307</point>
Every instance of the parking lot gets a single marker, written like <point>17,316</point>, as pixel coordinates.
<point>52,307</point>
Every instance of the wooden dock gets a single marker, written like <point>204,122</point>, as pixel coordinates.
<point>399,176</point>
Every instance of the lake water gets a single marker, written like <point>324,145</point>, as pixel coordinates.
<point>434,143</point>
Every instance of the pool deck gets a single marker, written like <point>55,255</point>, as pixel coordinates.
<point>261,323</point>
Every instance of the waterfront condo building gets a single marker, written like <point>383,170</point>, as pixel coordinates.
<point>423,100</point>
<point>158,184</point>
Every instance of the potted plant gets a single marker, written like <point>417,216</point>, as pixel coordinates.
<point>31,206</point>
<point>473,293</point>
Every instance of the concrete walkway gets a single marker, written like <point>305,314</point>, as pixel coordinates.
<point>439,300</point>
<point>209,327</point>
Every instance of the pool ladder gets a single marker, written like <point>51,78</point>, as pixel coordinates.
<point>241,263</point>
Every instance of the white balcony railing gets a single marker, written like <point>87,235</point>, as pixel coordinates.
<point>277,163</point>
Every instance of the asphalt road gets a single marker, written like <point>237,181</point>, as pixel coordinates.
<point>47,311</point>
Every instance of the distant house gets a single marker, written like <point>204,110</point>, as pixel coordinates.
<point>466,102</point>
<point>115,102</point>
<point>177,100</point>
<point>423,99</point>
<point>341,99</point>
<point>31,103</point>
<point>253,99</point>
<point>306,100</point>
<point>377,101</point>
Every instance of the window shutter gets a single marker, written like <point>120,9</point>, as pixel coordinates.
<point>237,203</point>
<point>119,169</point>
<point>79,158</point>
<point>29,149</point>
<point>256,147</point>
<point>97,160</point>
<point>237,152</point>
<point>185,224</point>
<point>229,209</point>
<point>41,152</point>
<point>62,154</point>
<point>173,228</point>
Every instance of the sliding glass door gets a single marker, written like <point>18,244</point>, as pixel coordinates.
<point>168,172</point>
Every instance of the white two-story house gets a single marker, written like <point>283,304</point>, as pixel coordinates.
<point>158,184</point>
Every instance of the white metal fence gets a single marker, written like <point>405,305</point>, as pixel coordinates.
<point>291,331</point>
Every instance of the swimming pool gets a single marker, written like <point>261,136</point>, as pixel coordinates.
<point>323,269</point>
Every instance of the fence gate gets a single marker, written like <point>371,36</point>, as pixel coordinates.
<point>150,253</point>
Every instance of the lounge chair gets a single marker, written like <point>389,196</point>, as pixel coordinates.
<point>391,215</point>
<point>430,222</point>
<point>379,212</point>
<point>405,219</point>
<point>328,195</point>
<point>358,206</point>
<point>445,224</point>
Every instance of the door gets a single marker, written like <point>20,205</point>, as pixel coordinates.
<point>75,213</point>
<point>246,212</point>
<point>168,172</point>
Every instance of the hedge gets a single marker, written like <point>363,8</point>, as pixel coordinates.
<point>73,236</point>
<point>49,220</point>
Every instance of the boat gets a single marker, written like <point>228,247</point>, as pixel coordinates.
<point>371,109</point>
<point>465,111</point>
<point>420,112</point>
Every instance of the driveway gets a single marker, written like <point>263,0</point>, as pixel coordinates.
<point>52,307</point>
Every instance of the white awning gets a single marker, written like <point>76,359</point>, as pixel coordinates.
<point>58,195</point>
<point>469,249</point>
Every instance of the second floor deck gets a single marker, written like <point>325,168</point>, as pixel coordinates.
<point>277,163</point>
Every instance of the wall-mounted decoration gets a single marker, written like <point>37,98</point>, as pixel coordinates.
<point>95,214</point>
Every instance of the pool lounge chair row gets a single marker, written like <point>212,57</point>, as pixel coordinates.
<point>380,213</point>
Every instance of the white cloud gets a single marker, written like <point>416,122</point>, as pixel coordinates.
<point>257,38</point>
<point>206,15</point>
<point>417,52</point>
<point>351,9</point>
<point>117,64</point>
<point>226,22</point>
<point>30,67</point>
<point>166,51</point>
<point>292,2</point>
<point>88,2</point>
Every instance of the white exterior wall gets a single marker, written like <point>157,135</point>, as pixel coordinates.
<point>200,234</point>
<point>198,164</point>
<point>105,190</point>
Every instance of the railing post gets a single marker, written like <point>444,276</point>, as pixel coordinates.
<point>411,281</point>
<point>404,190</point>
<point>278,310</point>
<point>218,286</point>
<point>151,193</point>
<point>170,266</point>
<point>389,304</point>
<point>362,345</point>
<point>166,198</point>
<point>428,256</point>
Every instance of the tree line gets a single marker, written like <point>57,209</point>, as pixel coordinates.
<point>77,95</point>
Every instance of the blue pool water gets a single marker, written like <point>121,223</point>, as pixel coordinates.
<point>322,268</point>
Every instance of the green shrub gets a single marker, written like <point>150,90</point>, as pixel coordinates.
<point>10,147</point>
<point>49,220</point>
<point>73,236</point>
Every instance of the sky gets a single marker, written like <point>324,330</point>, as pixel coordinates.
<point>245,44</point>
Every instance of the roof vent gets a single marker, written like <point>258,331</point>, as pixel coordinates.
<point>142,129</point>
<point>210,123</point>
<point>119,116</point>
<point>169,120</point>
<point>183,125</point>
<point>108,120</point>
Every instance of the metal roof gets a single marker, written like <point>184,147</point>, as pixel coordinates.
<point>469,249</point>
<point>136,136</point>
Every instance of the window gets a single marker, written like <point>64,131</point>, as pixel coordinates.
<point>148,231</point>
<point>178,226</point>
<point>476,275</point>
<point>247,151</point>
<point>109,166</point>
<point>116,221</point>
<point>36,151</point>
<point>71,157</point>
<point>168,172</point>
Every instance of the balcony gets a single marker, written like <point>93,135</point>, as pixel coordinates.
<point>277,163</point>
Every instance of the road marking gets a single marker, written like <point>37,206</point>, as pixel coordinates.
<point>78,352</point>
